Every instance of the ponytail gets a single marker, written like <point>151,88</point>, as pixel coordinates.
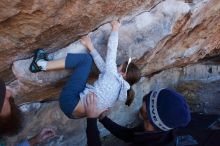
<point>133,75</point>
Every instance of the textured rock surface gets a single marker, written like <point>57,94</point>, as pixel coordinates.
<point>27,25</point>
<point>175,42</point>
<point>199,83</point>
<point>165,37</point>
<point>193,37</point>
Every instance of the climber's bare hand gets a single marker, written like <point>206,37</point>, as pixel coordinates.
<point>115,25</point>
<point>91,106</point>
<point>86,41</point>
<point>45,134</point>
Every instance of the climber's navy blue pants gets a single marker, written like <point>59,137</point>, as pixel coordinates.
<point>81,65</point>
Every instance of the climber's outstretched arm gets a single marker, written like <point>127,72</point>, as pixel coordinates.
<point>86,41</point>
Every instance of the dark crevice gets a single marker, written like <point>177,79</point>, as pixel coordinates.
<point>153,73</point>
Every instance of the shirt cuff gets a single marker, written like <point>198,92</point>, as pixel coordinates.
<point>114,33</point>
<point>94,52</point>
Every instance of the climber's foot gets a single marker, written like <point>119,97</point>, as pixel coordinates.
<point>39,54</point>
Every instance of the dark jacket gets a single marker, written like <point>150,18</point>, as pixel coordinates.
<point>92,132</point>
<point>135,136</point>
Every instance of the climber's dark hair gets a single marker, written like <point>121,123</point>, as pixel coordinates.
<point>133,75</point>
<point>11,124</point>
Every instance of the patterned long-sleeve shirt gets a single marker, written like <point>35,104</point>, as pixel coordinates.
<point>110,86</point>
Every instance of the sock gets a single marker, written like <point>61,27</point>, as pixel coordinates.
<point>42,63</point>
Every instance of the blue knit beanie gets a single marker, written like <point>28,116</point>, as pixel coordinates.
<point>167,109</point>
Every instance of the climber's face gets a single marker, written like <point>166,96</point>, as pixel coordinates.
<point>143,112</point>
<point>143,109</point>
<point>6,108</point>
<point>120,70</point>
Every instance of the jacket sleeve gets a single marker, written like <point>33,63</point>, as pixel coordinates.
<point>98,60</point>
<point>92,133</point>
<point>123,133</point>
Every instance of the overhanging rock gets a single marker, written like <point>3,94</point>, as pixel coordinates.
<point>138,36</point>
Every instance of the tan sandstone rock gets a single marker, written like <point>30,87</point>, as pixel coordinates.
<point>175,43</point>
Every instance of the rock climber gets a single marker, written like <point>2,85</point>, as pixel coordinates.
<point>113,84</point>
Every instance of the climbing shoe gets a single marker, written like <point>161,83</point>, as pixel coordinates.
<point>39,54</point>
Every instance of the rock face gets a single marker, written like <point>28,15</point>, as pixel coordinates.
<point>197,82</point>
<point>25,26</point>
<point>175,43</point>
<point>165,36</point>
